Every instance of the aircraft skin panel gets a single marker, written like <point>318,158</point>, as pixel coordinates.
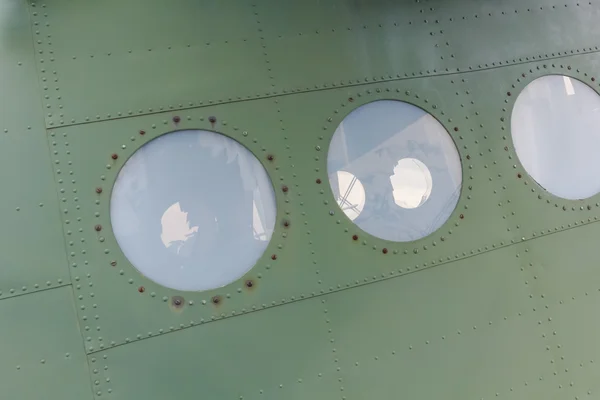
<point>351,47</point>
<point>250,357</point>
<point>42,355</point>
<point>34,255</point>
<point>497,303</point>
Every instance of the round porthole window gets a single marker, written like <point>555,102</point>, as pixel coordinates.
<point>193,210</point>
<point>394,170</point>
<point>555,128</point>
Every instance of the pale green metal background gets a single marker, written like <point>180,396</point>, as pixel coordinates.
<point>499,304</point>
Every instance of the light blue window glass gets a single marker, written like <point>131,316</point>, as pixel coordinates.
<point>555,128</point>
<point>193,210</point>
<point>394,170</point>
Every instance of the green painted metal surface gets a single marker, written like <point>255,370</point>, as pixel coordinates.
<point>500,302</point>
<point>42,355</point>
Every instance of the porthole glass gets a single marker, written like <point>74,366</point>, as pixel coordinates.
<point>555,128</point>
<point>403,170</point>
<point>193,210</point>
<point>411,183</point>
<point>349,193</point>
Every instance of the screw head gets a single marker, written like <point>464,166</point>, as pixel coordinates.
<point>216,299</point>
<point>461,216</point>
<point>318,181</point>
<point>212,119</point>
<point>98,190</point>
<point>384,250</point>
<point>176,301</point>
<point>176,119</point>
<point>113,263</point>
<point>270,157</point>
<point>285,189</point>
<point>274,257</point>
<point>350,99</point>
<point>114,156</point>
<point>142,132</point>
<point>141,289</point>
<point>98,228</point>
<point>249,283</point>
<point>354,237</point>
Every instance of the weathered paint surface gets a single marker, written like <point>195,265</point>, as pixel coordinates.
<point>500,302</point>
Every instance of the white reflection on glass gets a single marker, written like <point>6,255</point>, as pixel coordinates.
<point>569,86</point>
<point>555,127</point>
<point>375,144</point>
<point>176,228</point>
<point>349,194</point>
<point>258,229</point>
<point>411,183</point>
<point>193,210</point>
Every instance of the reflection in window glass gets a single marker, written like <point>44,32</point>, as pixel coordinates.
<point>411,183</point>
<point>555,128</point>
<point>193,210</point>
<point>407,166</point>
<point>349,194</point>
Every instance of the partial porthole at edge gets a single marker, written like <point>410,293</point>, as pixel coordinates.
<point>555,128</point>
<point>193,210</point>
<point>405,167</point>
